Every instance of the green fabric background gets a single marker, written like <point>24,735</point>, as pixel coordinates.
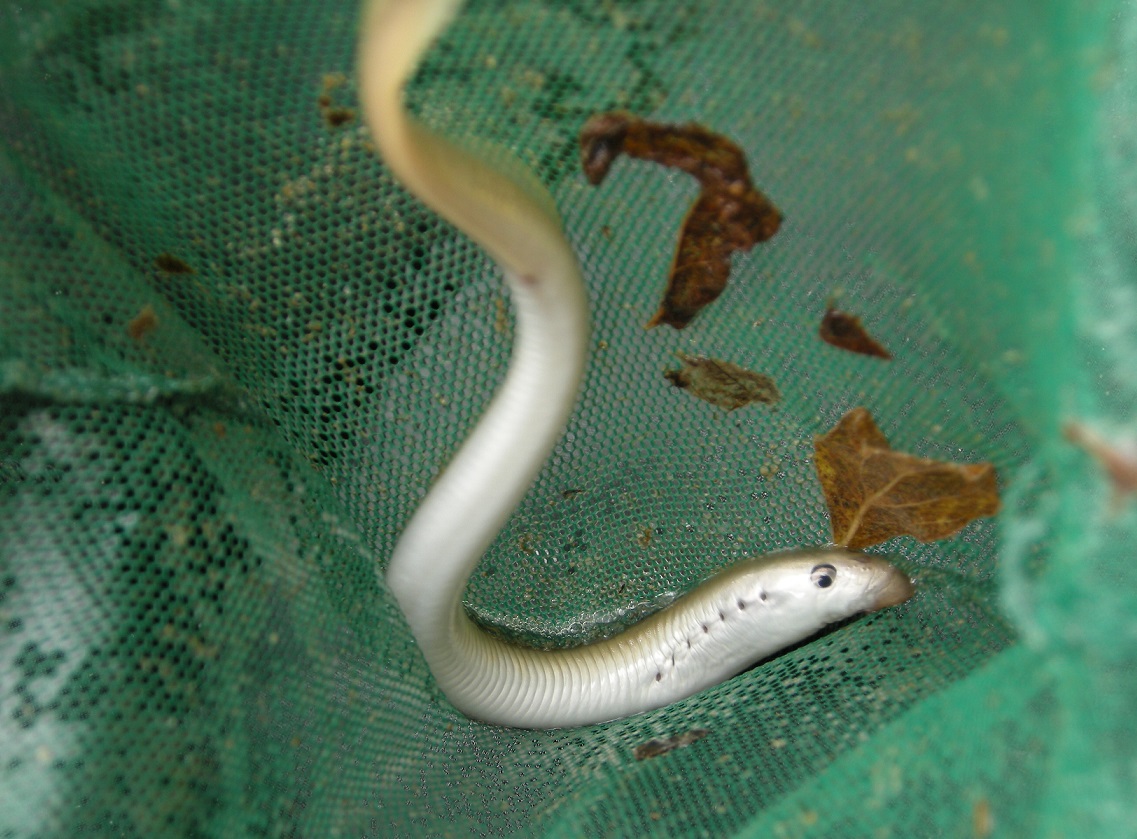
<point>194,638</point>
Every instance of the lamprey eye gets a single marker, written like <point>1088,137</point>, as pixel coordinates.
<point>823,575</point>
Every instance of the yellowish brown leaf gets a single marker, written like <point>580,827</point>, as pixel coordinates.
<point>875,493</point>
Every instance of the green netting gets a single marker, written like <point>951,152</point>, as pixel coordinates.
<point>233,355</point>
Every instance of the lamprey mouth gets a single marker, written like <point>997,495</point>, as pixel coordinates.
<point>898,589</point>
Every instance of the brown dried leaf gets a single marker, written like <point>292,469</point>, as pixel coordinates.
<point>729,215</point>
<point>875,493</point>
<point>845,331</point>
<point>722,383</point>
<point>661,746</point>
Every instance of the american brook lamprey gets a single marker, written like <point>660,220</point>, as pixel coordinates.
<point>747,612</point>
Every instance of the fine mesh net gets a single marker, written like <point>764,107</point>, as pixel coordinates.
<point>234,355</point>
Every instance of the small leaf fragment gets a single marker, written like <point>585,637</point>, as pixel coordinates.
<point>661,746</point>
<point>142,324</point>
<point>170,264</point>
<point>729,215</point>
<point>845,331</point>
<point>334,116</point>
<point>722,383</point>
<point>1118,460</point>
<point>875,493</point>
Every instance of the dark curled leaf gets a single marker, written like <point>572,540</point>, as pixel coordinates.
<point>875,493</point>
<point>845,331</point>
<point>729,215</point>
<point>722,383</point>
<point>699,272</point>
<point>661,746</point>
